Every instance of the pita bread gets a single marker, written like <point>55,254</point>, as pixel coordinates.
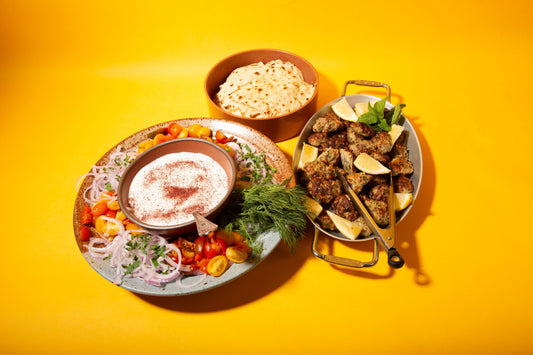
<point>262,90</point>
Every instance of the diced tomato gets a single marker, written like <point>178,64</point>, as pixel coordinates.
<point>86,215</point>
<point>99,208</point>
<point>202,265</point>
<point>85,234</point>
<point>221,137</point>
<point>111,213</point>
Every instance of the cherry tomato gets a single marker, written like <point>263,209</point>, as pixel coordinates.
<point>221,137</point>
<point>99,208</point>
<point>184,133</point>
<point>86,215</point>
<point>111,213</point>
<point>160,138</point>
<point>236,254</point>
<point>199,247</point>
<point>174,129</point>
<point>210,251</point>
<point>193,130</point>
<point>202,265</point>
<point>217,265</point>
<point>227,148</point>
<point>214,247</point>
<point>84,234</point>
<point>230,238</point>
<point>204,133</point>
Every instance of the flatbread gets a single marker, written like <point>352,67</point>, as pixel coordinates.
<point>262,90</point>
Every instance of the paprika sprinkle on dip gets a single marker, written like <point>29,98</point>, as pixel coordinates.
<point>168,190</point>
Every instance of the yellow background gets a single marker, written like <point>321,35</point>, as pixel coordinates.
<point>77,77</point>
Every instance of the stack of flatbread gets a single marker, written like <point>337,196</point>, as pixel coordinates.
<point>262,90</point>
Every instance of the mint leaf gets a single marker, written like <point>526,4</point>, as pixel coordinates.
<point>379,107</point>
<point>396,114</point>
<point>368,118</point>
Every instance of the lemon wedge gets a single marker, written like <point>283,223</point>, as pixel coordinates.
<point>313,207</point>
<point>343,109</point>
<point>361,108</point>
<point>402,200</point>
<point>369,165</point>
<point>348,228</point>
<point>309,153</point>
<point>395,132</point>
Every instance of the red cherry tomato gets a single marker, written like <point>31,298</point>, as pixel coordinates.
<point>221,137</point>
<point>85,234</point>
<point>202,265</point>
<point>199,247</point>
<point>86,215</point>
<point>174,129</point>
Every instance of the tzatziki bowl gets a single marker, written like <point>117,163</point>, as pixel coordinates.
<point>162,188</point>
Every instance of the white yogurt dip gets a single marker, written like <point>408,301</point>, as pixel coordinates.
<point>168,190</point>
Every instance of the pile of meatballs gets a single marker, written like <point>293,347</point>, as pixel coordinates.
<point>339,142</point>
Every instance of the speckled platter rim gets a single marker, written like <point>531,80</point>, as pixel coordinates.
<point>244,134</point>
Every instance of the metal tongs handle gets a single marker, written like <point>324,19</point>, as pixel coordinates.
<point>386,237</point>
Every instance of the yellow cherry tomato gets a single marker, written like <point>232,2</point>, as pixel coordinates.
<point>184,133</point>
<point>236,255</point>
<point>217,266</point>
<point>204,133</point>
<point>194,129</point>
<point>104,227</point>
<point>113,205</point>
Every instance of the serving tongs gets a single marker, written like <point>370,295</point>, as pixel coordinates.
<point>385,236</point>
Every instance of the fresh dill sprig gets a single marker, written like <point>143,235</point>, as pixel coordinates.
<point>264,206</point>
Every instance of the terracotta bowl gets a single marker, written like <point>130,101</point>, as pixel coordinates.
<point>193,145</point>
<point>276,128</point>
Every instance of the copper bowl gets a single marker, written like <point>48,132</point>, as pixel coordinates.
<point>193,145</point>
<point>276,128</point>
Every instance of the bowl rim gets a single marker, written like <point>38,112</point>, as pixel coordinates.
<point>124,206</point>
<point>223,60</point>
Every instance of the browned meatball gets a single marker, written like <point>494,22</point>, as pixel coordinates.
<point>365,231</point>
<point>363,146</point>
<point>330,156</point>
<point>327,123</point>
<point>324,190</point>
<point>401,166</point>
<point>402,184</point>
<point>382,142</point>
<point>342,206</point>
<point>382,158</point>
<point>361,129</point>
<point>347,160</point>
<point>378,210</point>
<point>318,168</point>
<point>336,141</point>
<point>399,150</point>
<point>379,193</point>
<point>316,139</point>
<point>358,180</point>
<point>325,222</point>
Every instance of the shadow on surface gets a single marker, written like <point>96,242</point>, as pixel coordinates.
<point>263,279</point>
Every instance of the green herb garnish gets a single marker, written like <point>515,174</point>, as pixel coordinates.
<point>376,117</point>
<point>264,206</point>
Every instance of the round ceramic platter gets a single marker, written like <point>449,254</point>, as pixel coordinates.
<point>413,146</point>
<point>243,134</point>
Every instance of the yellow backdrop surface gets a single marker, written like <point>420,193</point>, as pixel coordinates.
<point>78,77</point>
